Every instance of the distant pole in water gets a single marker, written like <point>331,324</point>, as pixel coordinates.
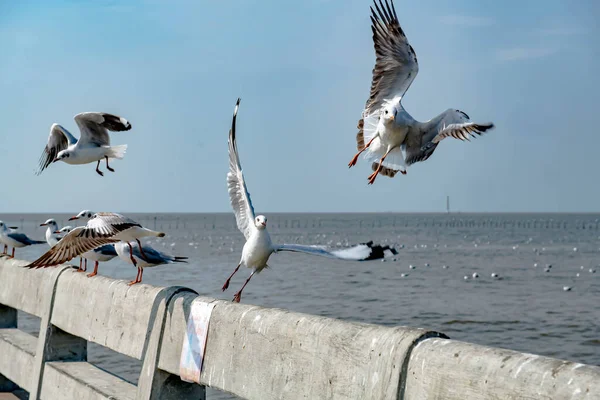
<point>155,222</point>
<point>448,204</point>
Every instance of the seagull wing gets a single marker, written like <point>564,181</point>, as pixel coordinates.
<point>423,138</point>
<point>110,224</point>
<point>236,185</point>
<point>77,242</point>
<point>94,127</point>
<point>396,62</point>
<point>58,140</point>
<point>359,252</point>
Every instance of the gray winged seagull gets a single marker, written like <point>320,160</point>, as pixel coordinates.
<point>151,258</point>
<point>10,237</point>
<point>386,129</point>
<point>99,254</point>
<point>103,228</point>
<point>92,146</point>
<point>259,247</point>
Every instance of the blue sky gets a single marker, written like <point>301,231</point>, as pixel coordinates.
<point>303,71</point>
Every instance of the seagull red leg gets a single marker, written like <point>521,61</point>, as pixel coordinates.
<point>142,250</point>
<point>107,167</point>
<point>226,285</point>
<point>355,158</point>
<point>13,253</point>
<point>5,249</point>
<point>374,174</point>
<point>95,270</point>
<point>238,296</point>
<point>131,255</point>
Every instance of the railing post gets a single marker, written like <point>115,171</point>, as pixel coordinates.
<point>156,384</point>
<point>54,344</point>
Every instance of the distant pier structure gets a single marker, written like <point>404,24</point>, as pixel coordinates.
<point>448,204</point>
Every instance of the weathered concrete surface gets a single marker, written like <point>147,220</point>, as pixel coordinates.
<point>452,370</point>
<point>83,381</point>
<point>155,384</point>
<point>17,352</point>
<point>260,353</point>
<point>53,343</point>
<point>107,311</point>
<point>27,286</point>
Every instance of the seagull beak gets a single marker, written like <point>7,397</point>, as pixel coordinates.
<point>73,218</point>
<point>43,224</point>
<point>264,224</point>
<point>392,118</point>
<point>56,231</point>
<point>55,160</point>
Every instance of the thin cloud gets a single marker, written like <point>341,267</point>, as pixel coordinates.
<point>523,53</point>
<point>465,20</point>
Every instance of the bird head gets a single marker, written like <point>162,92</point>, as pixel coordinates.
<point>62,155</point>
<point>65,229</point>
<point>390,111</point>
<point>260,222</point>
<point>49,222</point>
<point>84,214</point>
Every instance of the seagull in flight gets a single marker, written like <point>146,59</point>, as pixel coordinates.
<point>259,247</point>
<point>9,237</point>
<point>386,128</point>
<point>93,145</point>
<point>103,228</point>
<point>151,258</point>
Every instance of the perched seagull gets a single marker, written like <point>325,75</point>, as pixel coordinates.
<point>12,229</point>
<point>103,228</point>
<point>52,232</point>
<point>385,128</point>
<point>152,258</point>
<point>93,145</point>
<point>101,254</point>
<point>9,237</point>
<point>258,247</point>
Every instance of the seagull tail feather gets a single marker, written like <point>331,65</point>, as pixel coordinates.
<point>117,152</point>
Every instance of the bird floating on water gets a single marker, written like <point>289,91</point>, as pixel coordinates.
<point>386,128</point>
<point>103,228</point>
<point>93,145</point>
<point>259,247</point>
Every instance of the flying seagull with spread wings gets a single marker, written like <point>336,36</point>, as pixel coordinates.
<point>259,247</point>
<point>385,128</point>
<point>93,145</point>
<point>103,228</point>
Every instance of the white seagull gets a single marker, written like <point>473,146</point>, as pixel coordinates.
<point>52,232</point>
<point>100,254</point>
<point>385,128</point>
<point>93,145</point>
<point>259,247</point>
<point>9,237</point>
<point>103,228</point>
<point>151,258</point>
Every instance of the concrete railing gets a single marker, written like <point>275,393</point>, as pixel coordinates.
<point>252,352</point>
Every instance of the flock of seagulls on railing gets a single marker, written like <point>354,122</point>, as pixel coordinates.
<point>388,136</point>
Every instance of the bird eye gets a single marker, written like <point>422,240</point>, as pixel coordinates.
<point>386,111</point>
